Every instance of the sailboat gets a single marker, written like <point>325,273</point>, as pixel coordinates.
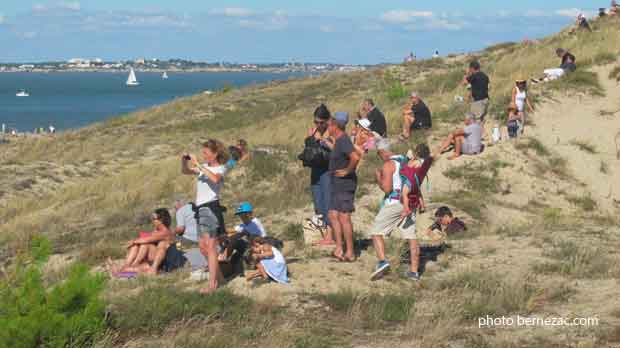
<point>131,79</point>
<point>22,93</point>
<point>164,76</point>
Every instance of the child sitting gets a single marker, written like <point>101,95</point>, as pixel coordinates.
<point>270,262</point>
<point>250,225</point>
<point>515,121</point>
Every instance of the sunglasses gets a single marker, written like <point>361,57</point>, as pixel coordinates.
<point>320,122</point>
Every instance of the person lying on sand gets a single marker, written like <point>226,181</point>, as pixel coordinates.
<point>467,140</point>
<point>271,264</point>
<point>567,66</point>
<point>146,254</point>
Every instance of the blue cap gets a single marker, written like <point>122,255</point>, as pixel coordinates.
<point>244,207</point>
<point>341,118</point>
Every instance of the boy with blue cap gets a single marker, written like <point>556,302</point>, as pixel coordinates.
<point>250,225</point>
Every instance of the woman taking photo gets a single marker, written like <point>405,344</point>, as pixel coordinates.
<point>521,100</point>
<point>209,213</point>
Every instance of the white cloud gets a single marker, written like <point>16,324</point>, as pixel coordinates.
<point>234,12</point>
<point>2,19</point>
<point>71,5</point>
<point>28,35</point>
<point>269,22</point>
<point>39,8</point>
<point>573,12</point>
<point>443,24</point>
<point>404,16</point>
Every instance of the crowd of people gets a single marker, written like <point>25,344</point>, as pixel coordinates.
<point>333,151</point>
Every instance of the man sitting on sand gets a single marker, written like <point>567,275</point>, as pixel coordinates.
<point>376,117</point>
<point>416,115</point>
<point>567,66</point>
<point>467,140</point>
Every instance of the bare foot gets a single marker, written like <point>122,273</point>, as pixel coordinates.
<point>150,271</point>
<point>453,157</point>
<point>325,242</point>
<point>207,291</point>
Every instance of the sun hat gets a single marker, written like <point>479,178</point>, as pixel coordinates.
<point>243,208</point>
<point>364,123</point>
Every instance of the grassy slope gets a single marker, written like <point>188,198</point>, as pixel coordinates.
<point>91,188</point>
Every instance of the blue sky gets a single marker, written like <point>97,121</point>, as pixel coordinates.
<point>342,31</point>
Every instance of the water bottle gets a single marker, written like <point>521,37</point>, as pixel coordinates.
<point>496,135</point>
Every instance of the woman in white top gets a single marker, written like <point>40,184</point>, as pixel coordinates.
<point>208,212</point>
<point>521,100</point>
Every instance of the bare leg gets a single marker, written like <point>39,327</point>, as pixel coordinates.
<point>261,270</point>
<point>142,253</point>
<point>131,255</point>
<point>407,122</point>
<point>214,267</point>
<point>160,255</point>
<point>446,143</point>
<point>458,144</point>
<point>347,231</point>
<point>379,245</point>
<point>333,218</point>
<point>414,250</point>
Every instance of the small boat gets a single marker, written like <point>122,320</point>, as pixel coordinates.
<point>164,76</point>
<point>131,79</point>
<point>22,93</point>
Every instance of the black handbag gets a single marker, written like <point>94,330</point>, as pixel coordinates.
<point>314,154</point>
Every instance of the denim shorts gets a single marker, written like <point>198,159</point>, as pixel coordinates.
<point>207,223</point>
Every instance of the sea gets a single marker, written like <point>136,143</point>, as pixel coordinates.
<point>68,100</point>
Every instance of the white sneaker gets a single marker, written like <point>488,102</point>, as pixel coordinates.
<point>317,220</point>
<point>199,275</point>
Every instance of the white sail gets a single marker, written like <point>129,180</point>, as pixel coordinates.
<point>164,75</point>
<point>131,80</point>
<point>22,93</point>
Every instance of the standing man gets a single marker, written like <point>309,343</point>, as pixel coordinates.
<point>376,118</point>
<point>342,165</point>
<point>479,83</point>
<point>416,115</point>
<point>398,210</point>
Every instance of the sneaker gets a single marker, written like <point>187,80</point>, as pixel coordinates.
<point>199,275</point>
<point>412,275</point>
<point>317,220</point>
<point>382,268</point>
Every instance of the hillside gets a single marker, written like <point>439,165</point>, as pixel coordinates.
<point>543,210</point>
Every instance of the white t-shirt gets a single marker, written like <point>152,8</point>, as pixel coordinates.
<point>186,218</point>
<point>254,228</point>
<point>206,190</point>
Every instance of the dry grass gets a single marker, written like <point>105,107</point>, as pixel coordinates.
<point>115,173</point>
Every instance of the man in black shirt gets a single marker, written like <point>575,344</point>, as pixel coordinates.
<point>479,83</point>
<point>376,118</point>
<point>416,115</point>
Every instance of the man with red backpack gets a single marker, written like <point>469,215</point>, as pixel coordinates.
<point>400,180</point>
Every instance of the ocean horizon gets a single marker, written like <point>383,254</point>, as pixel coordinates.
<point>69,100</point>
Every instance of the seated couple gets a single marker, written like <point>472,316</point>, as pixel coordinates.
<point>567,65</point>
<point>151,251</point>
<point>466,140</point>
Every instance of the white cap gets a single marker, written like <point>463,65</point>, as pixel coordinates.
<point>364,123</point>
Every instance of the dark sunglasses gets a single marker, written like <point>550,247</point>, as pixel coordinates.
<point>319,122</point>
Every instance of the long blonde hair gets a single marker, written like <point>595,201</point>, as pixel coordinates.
<point>218,148</point>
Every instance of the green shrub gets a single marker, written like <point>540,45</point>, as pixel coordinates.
<point>534,145</point>
<point>373,309</point>
<point>157,307</point>
<point>603,58</point>
<point>70,313</point>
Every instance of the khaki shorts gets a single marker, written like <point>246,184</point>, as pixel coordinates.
<point>388,219</point>
<point>479,109</point>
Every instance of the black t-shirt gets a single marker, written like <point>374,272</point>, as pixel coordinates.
<point>377,122</point>
<point>479,82</point>
<point>583,24</point>
<point>455,226</point>
<point>340,158</point>
<point>422,116</point>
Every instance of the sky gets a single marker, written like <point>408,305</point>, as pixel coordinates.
<point>266,31</point>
